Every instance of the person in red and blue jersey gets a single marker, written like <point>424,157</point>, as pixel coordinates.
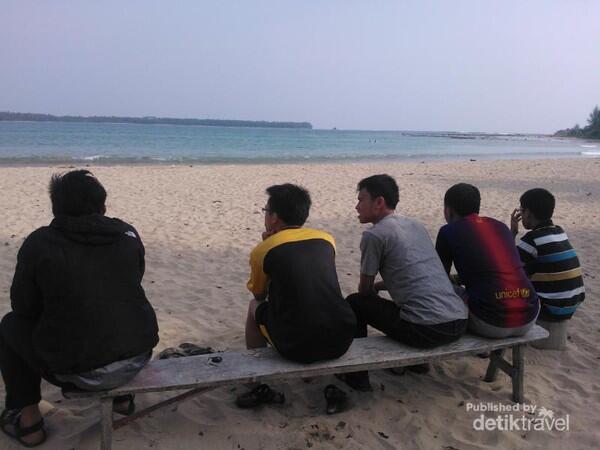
<point>501,299</point>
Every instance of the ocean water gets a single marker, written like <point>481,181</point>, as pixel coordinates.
<point>57,142</point>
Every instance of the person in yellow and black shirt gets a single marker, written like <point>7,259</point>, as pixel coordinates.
<point>298,306</point>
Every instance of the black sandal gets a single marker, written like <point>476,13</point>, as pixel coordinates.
<point>12,417</point>
<point>260,395</point>
<point>336,399</point>
<point>120,399</point>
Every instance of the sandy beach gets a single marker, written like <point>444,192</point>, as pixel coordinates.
<point>199,223</point>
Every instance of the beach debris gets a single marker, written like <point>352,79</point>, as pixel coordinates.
<point>382,434</point>
<point>340,425</point>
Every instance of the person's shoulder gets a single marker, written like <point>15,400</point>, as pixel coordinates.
<point>38,235</point>
<point>36,240</point>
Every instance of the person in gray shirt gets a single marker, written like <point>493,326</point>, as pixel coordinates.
<point>424,311</point>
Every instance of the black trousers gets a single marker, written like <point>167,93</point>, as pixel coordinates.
<point>22,369</point>
<point>384,315</point>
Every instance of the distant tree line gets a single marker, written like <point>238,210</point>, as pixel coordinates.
<point>32,117</point>
<point>591,131</point>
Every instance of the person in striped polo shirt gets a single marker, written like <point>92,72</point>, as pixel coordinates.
<point>550,261</point>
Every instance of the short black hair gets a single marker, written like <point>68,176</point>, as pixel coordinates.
<point>540,202</point>
<point>290,202</point>
<point>463,198</point>
<point>76,193</point>
<point>381,186</point>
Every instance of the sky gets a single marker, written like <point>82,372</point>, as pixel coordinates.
<point>492,66</point>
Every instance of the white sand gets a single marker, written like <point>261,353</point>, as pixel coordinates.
<point>199,224</point>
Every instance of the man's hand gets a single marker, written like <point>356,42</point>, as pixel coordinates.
<point>515,218</point>
<point>379,286</point>
<point>267,234</point>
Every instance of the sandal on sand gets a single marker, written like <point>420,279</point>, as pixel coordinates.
<point>11,426</point>
<point>193,349</point>
<point>124,404</point>
<point>336,399</point>
<point>260,395</point>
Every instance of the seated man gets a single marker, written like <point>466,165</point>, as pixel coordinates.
<point>298,306</point>
<point>501,300</point>
<point>550,260</point>
<point>425,311</point>
<point>80,318</point>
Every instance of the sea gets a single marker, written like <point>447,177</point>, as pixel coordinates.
<point>33,143</point>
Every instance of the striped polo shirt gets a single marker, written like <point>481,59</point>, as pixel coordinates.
<point>552,265</point>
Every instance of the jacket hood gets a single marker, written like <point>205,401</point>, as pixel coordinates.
<point>93,229</point>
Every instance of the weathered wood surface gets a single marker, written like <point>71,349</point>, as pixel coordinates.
<point>263,365</point>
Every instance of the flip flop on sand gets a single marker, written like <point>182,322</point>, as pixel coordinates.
<point>10,424</point>
<point>260,395</point>
<point>193,349</point>
<point>337,400</point>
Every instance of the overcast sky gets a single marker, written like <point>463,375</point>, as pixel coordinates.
<point>495,66</point>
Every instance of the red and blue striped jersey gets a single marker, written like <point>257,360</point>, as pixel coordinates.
<point>486,259</point>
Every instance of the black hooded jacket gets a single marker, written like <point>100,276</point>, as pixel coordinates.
<point>80,279</point>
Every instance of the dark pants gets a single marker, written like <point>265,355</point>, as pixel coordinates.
<point>384,315</point>
<point>22,369</point>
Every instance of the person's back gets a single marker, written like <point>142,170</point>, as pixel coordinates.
<point>484,256</point>
<point>501,299</point>
<point>80,318</point>
<point>298,306</point>
<point>308,316</point>
<point>88,297</point>
<point>411,270</point>
<point>549,258</point>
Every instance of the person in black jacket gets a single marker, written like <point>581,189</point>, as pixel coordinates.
<point>80,318</point>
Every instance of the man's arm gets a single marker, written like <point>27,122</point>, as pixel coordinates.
<point>444,251</point>
<point>366,285</point>
<point>371,249</point>
<point>25,295</point>
<point>515,218</point>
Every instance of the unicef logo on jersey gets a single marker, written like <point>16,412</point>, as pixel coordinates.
<point>513,293</point>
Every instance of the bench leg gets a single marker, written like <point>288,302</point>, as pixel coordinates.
<point>518,363</point>
<point>492,370</point>
<point>106,409</point>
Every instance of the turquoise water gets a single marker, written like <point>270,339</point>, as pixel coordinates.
<point>51,142</point>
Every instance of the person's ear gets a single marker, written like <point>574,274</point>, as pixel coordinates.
<point>380,202</point>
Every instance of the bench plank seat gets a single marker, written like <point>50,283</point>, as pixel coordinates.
<point>197,374</point>
<point>263,365</point>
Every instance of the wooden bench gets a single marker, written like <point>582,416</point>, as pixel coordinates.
<point>197,374</point>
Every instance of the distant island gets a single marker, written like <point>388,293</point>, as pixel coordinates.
<point>32,117</point>
<point>591,131</point>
